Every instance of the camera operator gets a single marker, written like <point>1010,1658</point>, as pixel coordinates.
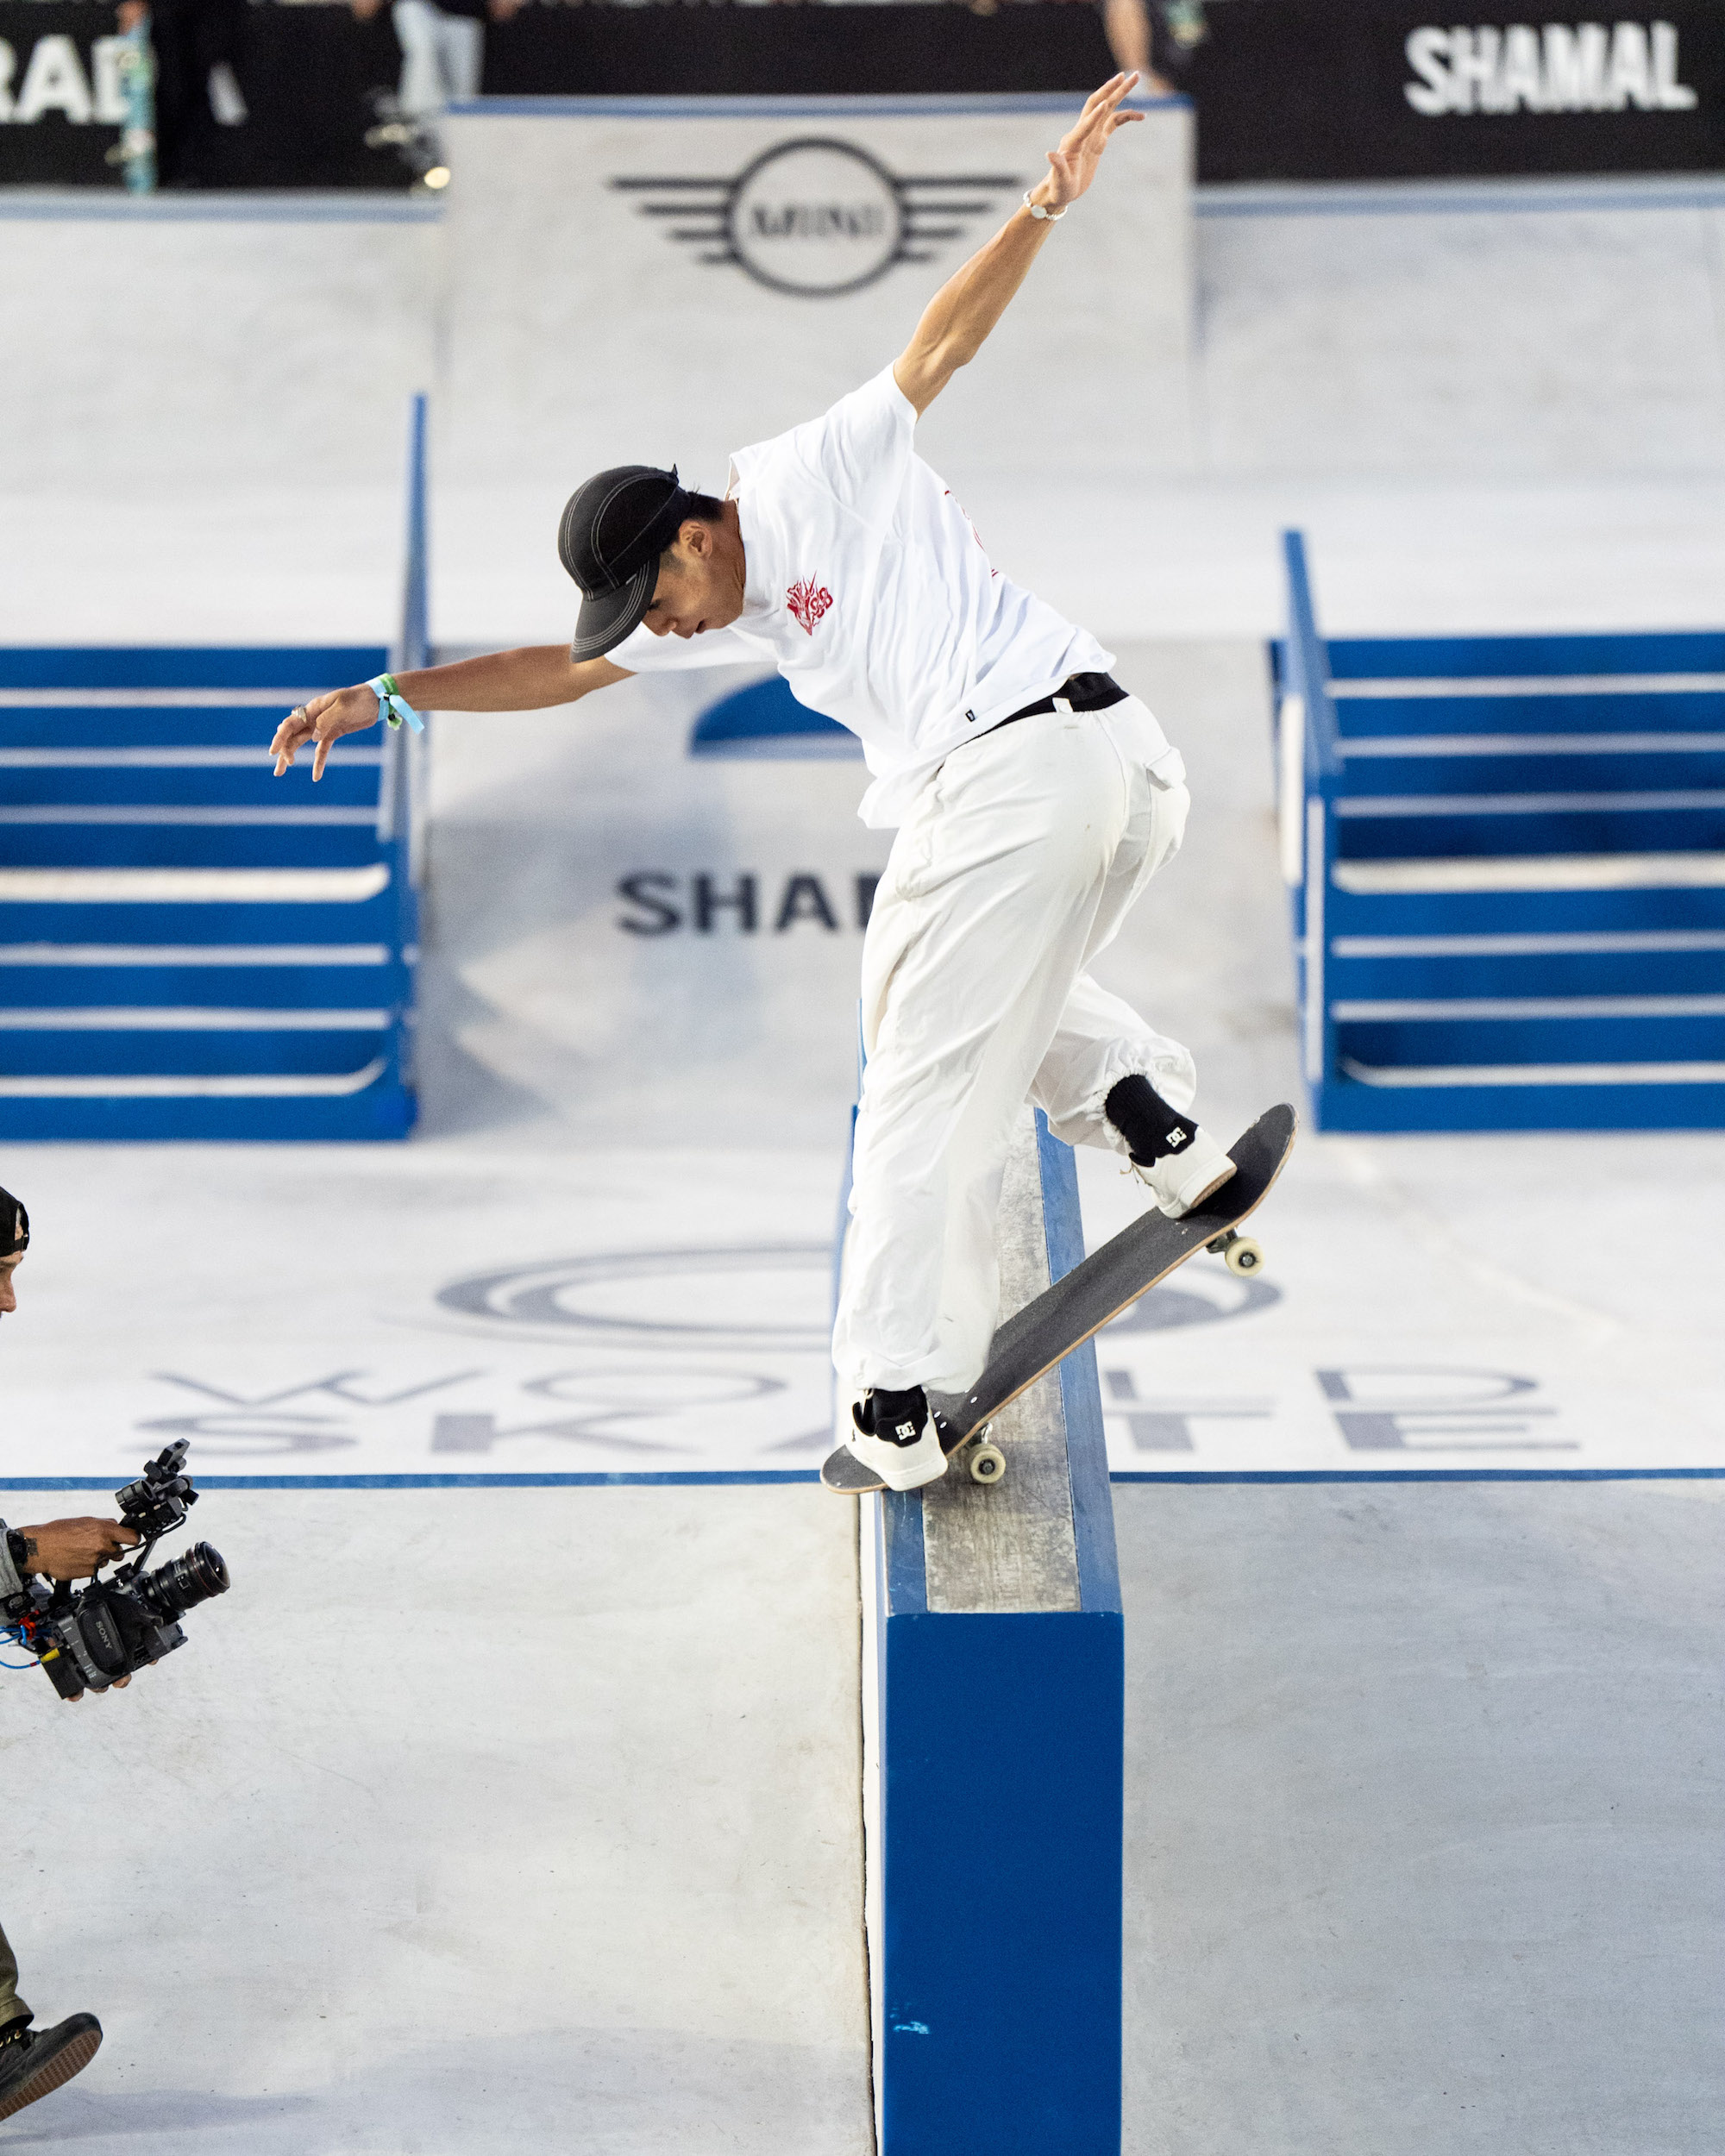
<point>34,2062</point>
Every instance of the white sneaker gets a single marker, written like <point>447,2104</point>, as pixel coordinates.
<point>902,1461</point>
<point>1178,1182</point>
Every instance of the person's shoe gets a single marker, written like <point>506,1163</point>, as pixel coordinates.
<point>35,2062</point>
<point>896,1438</point>
<point>1179,1179</point>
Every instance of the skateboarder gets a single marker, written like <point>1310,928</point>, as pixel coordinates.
<point>1034,799</point>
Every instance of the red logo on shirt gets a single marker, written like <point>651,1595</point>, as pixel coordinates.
<point>808,601</point>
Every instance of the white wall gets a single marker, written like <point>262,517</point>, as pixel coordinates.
<point>1463,331</point>
<point>193,343</point>
<point>1499,405</point>
<point>582,333</point>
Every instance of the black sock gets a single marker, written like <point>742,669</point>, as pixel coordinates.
<point>1150,1127</point>
<point>897,1416</point>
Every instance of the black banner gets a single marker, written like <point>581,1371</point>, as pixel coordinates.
<point>1366,90</point>
<point>309,76</point>
<point>1284,89</point>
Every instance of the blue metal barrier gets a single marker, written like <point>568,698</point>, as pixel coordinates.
<point>191,948</point>
<point>1507,865</point>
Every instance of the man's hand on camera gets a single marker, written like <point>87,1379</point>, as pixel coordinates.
<point>114,1685</point>
<point>71,1549</point>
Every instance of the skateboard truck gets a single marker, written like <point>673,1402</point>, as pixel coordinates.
<point>1239,1253</point>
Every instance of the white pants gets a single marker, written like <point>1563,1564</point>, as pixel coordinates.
<point>441,56</point>
<point>1016,868</point>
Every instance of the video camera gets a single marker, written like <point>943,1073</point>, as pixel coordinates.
<point>87,1638</point>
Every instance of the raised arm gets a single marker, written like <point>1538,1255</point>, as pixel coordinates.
<point>972,300</point>
<point>525,681</point>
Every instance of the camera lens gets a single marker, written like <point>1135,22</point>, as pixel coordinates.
<point>185,1580</point>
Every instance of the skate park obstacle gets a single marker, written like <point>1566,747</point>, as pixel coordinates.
<point>994,1703</point>
<point>1505,858</point>
<point>195,949</point>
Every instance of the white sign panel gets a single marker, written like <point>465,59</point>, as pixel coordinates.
<point>649,281</point>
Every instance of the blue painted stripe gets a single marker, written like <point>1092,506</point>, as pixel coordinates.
<point>88,205</point>
<point>88,728</point>
<point>1063,1222</point>
<point>64,793</point>
<point>1345,1104</point>
<point>906,1564</point>
<point>1547,973</point>
<point>294,842</point>
<point>380,1112</point>
<point>1425,1475</point>
<point>763,1476</point>
<point>253,986</point>
<point>1454,658</point>
<point>1081,1397</point>
<point>1451,197</point>
<point>677,1478</point>
<point>183,666</point>
<point>1639,908</point>
<point>782,107</point>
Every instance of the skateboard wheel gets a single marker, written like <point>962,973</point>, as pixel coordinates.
<point>987,1463</point>
<point>1243,1254</point>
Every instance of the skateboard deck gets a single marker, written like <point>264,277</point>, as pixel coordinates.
<point>1047,1330</point>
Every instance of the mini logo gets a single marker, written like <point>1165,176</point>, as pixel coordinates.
<point>1176,1138</point>
<point>816,217</point>
<point>808,601</point>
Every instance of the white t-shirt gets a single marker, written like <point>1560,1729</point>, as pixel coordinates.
<point>868,588</point>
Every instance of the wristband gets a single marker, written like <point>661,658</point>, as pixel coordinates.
<point>1043,216</point>
<point>392,706</point>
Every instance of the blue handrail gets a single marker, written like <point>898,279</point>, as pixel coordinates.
<point>415,641</point>
<point>401,781</point>
<point>1308,671</point>
<point>1308,683</point>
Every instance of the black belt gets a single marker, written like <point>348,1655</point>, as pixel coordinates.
<point>1083,692</point>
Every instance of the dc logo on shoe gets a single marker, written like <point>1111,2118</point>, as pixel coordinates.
<point>905,1433</point>
<point>1176,1138</point>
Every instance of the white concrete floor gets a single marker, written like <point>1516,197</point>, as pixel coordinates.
<point>468,1820</point>
<point>1162,559</point>
<point>1423,1816</point>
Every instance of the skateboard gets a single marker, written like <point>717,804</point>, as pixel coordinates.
<point>1046,1330</point>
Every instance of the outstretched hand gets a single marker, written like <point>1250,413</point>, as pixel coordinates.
<point>322,722</point>
<point>1073,165</point>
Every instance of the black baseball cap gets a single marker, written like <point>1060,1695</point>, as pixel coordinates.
<point>15,1226</point>
<point>614,529</point>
